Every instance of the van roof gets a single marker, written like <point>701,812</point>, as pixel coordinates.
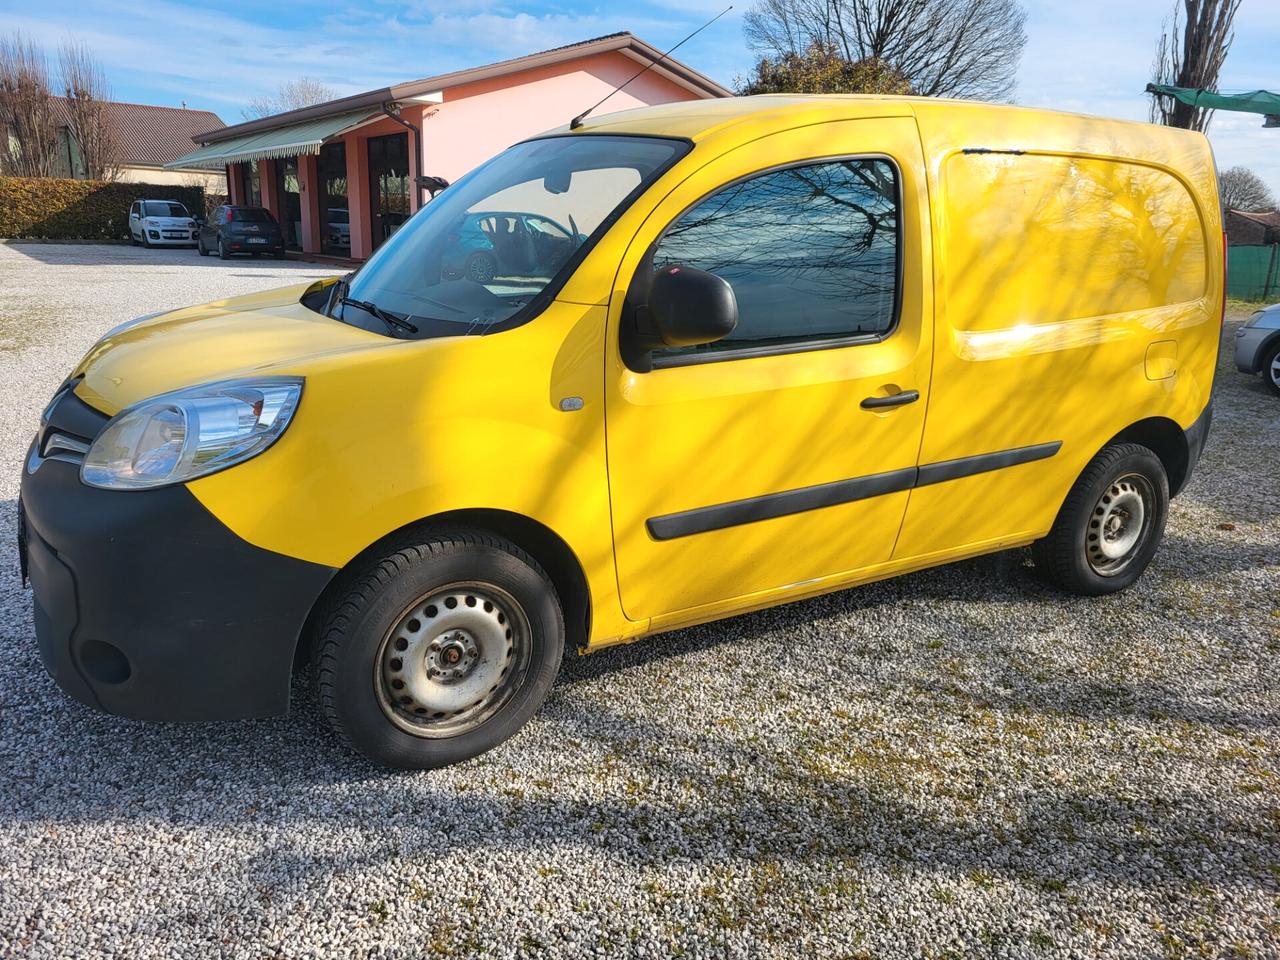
<point>700,119</point>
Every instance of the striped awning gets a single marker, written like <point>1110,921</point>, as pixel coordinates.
<point>299,138</point>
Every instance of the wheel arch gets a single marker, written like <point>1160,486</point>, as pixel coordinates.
<point>1166,440</point>
<point>538,540</point>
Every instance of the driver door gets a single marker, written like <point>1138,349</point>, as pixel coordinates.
<point>784,454</point>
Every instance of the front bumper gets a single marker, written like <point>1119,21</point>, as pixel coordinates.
<point>1250,344</point>
<point>147,606</point>
<point>187,239</point>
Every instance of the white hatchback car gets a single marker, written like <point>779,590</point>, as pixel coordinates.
<point>155,223</point>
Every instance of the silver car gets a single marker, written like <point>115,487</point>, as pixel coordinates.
<point>1258,346</point>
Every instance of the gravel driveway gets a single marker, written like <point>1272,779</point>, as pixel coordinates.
<point>955,763</point>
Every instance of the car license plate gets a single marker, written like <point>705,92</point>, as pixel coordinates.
<point>257,239</point>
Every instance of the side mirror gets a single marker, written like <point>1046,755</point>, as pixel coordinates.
<point>685,307</point>
<point>691,306</point>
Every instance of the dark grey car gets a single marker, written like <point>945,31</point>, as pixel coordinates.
<point>233,229</point>
<point>1258,346</point>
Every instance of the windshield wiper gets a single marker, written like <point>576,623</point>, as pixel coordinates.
<point>386,316</point>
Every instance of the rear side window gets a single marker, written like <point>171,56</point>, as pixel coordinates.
<point>1047,239</point>
<point>811,253</point>
<point>252,215</point>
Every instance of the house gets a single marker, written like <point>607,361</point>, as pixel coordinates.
<point>342,176</point>
<point>1244,228</point>
<point>148,139</point>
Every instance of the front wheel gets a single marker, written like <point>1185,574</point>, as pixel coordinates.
<point>438,650</point>
<point>1271,369</point>
<point>1110,525</point>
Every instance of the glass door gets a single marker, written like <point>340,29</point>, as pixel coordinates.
<point>388,184</point>
<point>334,213</point>
<point>290,202</point>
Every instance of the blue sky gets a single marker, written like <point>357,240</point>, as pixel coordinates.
<point>1092,56</point>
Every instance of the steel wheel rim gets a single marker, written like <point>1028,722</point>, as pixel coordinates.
<point>452,659</point>
<point>1119,524</point>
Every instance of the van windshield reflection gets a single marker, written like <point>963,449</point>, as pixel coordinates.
<point>489,250</point>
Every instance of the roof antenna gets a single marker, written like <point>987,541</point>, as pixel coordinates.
<point>576,122</point>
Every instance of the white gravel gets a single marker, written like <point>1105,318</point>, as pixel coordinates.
<point>958,763</point>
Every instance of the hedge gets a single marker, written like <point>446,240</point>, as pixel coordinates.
<point>53,209</point>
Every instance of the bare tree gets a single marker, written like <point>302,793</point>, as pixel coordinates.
<point>1192,60</point>
<point>87,92</point>
<point>943,48</point>
<point>1242,189</point>
<point>290,95</point>
<point>28,128</point>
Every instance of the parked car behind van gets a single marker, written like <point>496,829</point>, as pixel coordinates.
<point>161,223</point>
<point>800,343</point>
<point>235,229</point>
<point>1258,346</point>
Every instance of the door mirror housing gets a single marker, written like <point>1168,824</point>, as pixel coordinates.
<point>685,307</point>
<point>691,307</point>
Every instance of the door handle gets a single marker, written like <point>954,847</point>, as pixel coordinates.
<point>893,400</point>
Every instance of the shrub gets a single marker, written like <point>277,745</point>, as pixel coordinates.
<point>53,209</point>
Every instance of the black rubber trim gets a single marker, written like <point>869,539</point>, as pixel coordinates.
<point>771,505</point>
<point>945,470</point>
<point>737,512</point>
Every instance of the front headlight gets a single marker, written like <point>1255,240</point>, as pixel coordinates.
<point>190,433</point>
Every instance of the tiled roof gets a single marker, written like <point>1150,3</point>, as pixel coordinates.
<point>1270,218</point>
<point>153,135</point>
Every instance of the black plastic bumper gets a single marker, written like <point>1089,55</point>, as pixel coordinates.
<point>146,605</point>
<point>1197,436</point>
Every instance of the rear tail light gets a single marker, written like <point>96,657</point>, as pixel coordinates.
<point>228,216</point>
<point>1225,254</point>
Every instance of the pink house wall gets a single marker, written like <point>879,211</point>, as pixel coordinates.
<point>478,120</point>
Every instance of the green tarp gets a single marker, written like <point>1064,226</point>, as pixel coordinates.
<point>1253,271</point>
<point>1258,101</point>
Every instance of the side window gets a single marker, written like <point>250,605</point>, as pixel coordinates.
<point>811,252</point>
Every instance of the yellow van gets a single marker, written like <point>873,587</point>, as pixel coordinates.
<point>680,363</point>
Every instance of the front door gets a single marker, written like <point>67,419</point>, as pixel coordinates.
<point>784,453</point>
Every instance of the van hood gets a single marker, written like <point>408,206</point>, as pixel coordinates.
<point>243,336</point>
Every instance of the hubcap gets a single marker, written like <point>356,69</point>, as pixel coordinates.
<point>1119,524</point>
<point>1275,370</point>
<point>452,660</point>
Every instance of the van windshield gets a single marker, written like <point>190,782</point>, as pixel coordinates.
<point>507,234</point>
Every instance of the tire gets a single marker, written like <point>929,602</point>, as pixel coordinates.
<point>1110,525</point>
<point>1271,369</point>
<point>204,252</point>
<point>481,268</point>
<point>222,250</point>
<point>388,682</point>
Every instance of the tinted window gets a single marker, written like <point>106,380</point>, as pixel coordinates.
<point>161,208</point>
<point>252,215</point>
<point>811,252</point>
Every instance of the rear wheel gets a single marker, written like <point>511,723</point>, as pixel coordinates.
<point>1271,369</point>
<point>438,650</point>
<point>201,247</point>
<point>1110,525</point>
<point>222,250</point>
<point>481,268</point>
